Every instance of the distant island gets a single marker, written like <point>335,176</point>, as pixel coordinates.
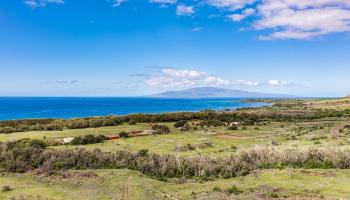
<point>214,92</point>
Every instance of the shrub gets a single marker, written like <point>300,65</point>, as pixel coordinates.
<point>6,188</point>
<point>233,148</point>
<point>273,195</point>
<point>234,190</point>
<point>26,143</point>
<point>123,134</point>
<point>132,122</point>
<point>38,144</point>
<point>317,142</point>
<point>217,189</point>
<point>88,139</point>
<point>180,123</point>
<point>161,129</point>
<point>143,152</point>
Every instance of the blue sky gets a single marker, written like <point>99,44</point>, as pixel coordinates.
<point>139,47</point>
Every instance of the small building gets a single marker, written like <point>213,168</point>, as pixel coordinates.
<point>67,140</point>
<point>234,124</point>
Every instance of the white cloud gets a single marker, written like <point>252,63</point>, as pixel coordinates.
<point>277,83</point>
<point>238,17</point>
<point>118,3</point>
<point>197,29</point>
<point>229,4</point>
<point>301,19</point>
<point>172,78</point>
<point>164,2</point>
<point>182,10</point>
<point>41,3</point>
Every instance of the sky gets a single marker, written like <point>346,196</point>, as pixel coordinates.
<point>141,47</point>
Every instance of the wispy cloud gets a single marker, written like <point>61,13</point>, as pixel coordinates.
<point>229,4</point>
<point>197,29</point>
<point>163,3</point>
<point>238,17</point>
<point>117,3</point>
<point>66,82</point>
<point>278,83</point>
<point>41,3</point>
<point>183,10</point>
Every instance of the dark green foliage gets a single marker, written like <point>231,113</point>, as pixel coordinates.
<point>26,143</point>
<point>212,122</point>
<point>234,190</point>
<point>6,188</point>
<point>161,129</point>
<point>143,152</point>
<point>273,195</point>
<point>180,123</point>
<point>217,189</point>
<point>318,138</point>
<point>123,134</point>
<point>131,122</point>
<point>88,139</point>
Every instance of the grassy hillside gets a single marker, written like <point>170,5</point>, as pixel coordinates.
<point>321,180</point>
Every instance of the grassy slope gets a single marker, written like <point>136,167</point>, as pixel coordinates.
<point>127,184</point>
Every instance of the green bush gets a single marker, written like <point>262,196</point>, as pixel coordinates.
<point>88,139</point>
<point>234,190</point>
<point>132,122</point>
<point>180,123</point>
<point>6,188</point>
<point>143,152</point>
<point>123,134</point>
<point>161,129</point>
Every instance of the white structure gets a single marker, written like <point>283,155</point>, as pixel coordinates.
<point>67,140</point>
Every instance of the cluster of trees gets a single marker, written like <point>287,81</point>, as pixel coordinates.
<point>24,156</point>
<point>212,118</point>
<point>161,129</point>
<point>88,139</point>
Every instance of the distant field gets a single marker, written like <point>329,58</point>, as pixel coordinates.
<point>223,142</point>
<point>339,104</point>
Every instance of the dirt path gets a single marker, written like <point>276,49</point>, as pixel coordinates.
<point>127,189</point>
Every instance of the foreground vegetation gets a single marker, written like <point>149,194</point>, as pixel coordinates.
<point>296,149</point>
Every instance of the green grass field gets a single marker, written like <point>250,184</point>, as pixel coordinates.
<point>215,141</point>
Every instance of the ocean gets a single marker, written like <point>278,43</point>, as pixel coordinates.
<point>71,107</point>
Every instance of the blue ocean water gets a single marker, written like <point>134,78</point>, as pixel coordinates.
<point>70,107</point>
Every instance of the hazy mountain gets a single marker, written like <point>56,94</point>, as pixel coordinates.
<point>207,92</point>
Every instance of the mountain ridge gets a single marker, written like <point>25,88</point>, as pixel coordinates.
<point>214,92</point>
